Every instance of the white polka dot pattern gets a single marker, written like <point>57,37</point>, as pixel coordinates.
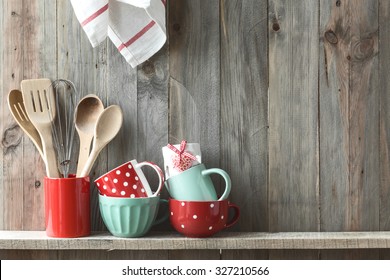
<point>121,182</point>
<point>208,223</point>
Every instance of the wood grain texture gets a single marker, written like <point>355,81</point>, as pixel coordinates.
<point>350,166</point>
<point>384,140</point>
<point>244,113</point>
<point>354,254</point>
<point>293,116</point>
<point>80,255</point>
<point>293,148</point>
<point>171,241</point>
<point>294,254</point>
<point>244,108</point>
<point>12,135</point>
<point>202,254</point>
<point>384,254</point>
<point>28,55</point>
<point>111,255</point>
<point>244,254</point>
<point>384,89</point>
<point>39,47</point>
<point>350,179</point>
<point>334,139</point>
<point>28,255</point>
<point>194,62</point>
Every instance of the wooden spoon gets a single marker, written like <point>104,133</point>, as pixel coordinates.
<point>16,106</point>
<point>107,127</point>
<point>87,113</point>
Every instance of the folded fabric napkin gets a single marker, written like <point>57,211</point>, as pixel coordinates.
<point>136,27</point>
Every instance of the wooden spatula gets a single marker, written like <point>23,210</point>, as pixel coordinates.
<point>39,101</point>
<point>16,106</point>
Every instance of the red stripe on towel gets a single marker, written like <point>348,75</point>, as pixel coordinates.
<point>95,15</point>
<point>137,36</point>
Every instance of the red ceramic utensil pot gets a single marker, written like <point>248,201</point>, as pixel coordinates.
<point>67,207</point>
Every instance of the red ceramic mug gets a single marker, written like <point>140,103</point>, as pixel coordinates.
<point>67,206</point>
<point>128,180</point>
<point>201,218</point>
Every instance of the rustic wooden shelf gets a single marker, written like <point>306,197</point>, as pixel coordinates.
<point>37,240</point>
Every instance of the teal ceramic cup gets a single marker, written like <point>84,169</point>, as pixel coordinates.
<point>130,217</point>
<point>194,184</point>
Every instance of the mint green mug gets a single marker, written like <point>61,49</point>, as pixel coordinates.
<point>195,184</point>
<point>130,217</point>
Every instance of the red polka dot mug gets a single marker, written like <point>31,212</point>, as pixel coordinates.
<point>201,218</point>
<point>128,180</point>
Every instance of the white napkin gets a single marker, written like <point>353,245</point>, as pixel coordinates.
<point>136,27</point>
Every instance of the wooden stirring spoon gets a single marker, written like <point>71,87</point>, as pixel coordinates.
<point>107,127</point>
<point>87,113</point>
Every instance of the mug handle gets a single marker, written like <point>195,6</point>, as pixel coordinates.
<point>159,173</point>
<point>236,215</point>
<point>165,216</point>
<point>166,185</point>
<point>225,176</point>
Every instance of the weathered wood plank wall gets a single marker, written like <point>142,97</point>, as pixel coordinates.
<point>244,110</point>
<point>349,120</point>
<point>383,88</point>
<point>289,97</point>
<point>293,117</point>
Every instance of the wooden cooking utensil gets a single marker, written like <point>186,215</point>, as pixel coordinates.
<point>39,101</point>
<point>16,106</point>
<point>107,127</point>
<point>87,113</point>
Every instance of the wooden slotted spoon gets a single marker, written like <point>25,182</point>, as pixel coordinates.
<point>39,101</point>
<point>16,106</point>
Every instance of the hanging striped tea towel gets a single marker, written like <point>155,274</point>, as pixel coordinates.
<point>136,27</point>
